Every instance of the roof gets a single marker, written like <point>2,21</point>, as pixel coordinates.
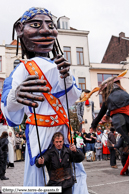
<point>63,17</point>
<point>117,50</point>
<point>14,42</point>
<point>71,28</point>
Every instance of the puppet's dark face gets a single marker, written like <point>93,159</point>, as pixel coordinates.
<point>39,34</point>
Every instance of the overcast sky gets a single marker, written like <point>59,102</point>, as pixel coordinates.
<point>102,18</point>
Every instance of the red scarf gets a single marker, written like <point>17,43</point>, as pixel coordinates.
<point>98,132</point>
<point>87,102</point>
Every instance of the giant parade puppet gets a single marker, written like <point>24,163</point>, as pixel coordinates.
<point>37,87</point>
<point>115,105</point>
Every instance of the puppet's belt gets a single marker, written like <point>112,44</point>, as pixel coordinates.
<point>60,174</point>
<point>124,110</point>
<point>45,120</point>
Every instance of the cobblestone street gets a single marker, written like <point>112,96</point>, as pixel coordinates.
<point>101,178</point>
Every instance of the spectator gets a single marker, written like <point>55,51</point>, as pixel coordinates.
<point>10,150</point>
<point>99,134</point>
<point>112,140</point>
<point>7,158</point>
<point>98,147</point>
<point>3,154</point>
<point>75,136</point>
<point>22,140</point>
<point>23,149</point>
<point>24,136</point>
<point>79,142</point>
<point>83,135</point>
<point>100,129</point>
<point>91,143</point>
<point>85,140</point>
<point>18,146</point>
<point>20,132</point>
<point>106,152</point>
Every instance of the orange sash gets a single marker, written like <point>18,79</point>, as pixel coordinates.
<point>45,120</point>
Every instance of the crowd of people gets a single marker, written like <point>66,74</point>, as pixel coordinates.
<point>101,143</point>
<point>104,145</point>
<point>12,149</point>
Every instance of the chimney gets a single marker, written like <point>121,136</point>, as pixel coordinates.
<point>122,34</point>
<point>3,42</point>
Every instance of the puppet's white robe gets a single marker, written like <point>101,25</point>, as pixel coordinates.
<point>14,113</point>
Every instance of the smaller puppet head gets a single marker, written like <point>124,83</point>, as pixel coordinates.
<point>107,86</point>
<point>84,93</point>
<point>36,31</point>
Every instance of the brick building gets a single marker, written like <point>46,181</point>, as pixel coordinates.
<point>117,50</point>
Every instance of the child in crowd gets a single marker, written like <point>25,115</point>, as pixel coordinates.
<point>98,147</point>
<point>79,142</point>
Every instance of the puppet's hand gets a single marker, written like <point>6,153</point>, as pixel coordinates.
<point>63,66</point>
<point>24,92</point>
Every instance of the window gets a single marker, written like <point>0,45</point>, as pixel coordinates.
<point>79,56</point>
<point>64,25</point>
<point>67,53</point>
<point>16,62</point>
<point>1,84</point>
<point>82,83</point>
<point>0,63</point>
<point>101,78</point>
